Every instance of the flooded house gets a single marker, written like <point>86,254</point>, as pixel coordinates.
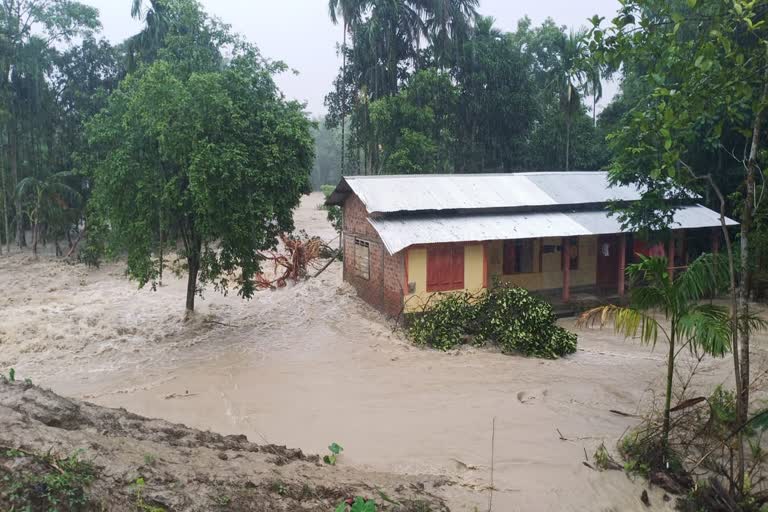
<point>407,237</point>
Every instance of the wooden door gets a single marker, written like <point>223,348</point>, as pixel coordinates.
<point>608,263</point>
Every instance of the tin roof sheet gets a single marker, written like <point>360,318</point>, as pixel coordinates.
<point>397,233</point>
<point>430,192</point>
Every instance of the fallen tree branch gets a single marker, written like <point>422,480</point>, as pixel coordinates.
<point>330,262</point>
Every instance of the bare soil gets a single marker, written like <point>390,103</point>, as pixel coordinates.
<point>312,364</point>
<point>183,468</point>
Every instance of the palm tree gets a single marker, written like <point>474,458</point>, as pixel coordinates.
<point>701,327</point>
<point>350,12</point>
<point>594,87</point>
<point>150,39</point>
<point>570,76</point>
<point>448,23</point>
<point>46,200</point>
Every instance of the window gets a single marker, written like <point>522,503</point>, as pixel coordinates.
<point>519,257</point>
<point>573,253</point>
<point>362,258</point>
<point>445,268</point>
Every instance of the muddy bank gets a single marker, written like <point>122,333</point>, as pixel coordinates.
<point>311,364</point>
<point>132,461</point>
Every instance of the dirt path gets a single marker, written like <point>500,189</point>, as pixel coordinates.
<point>311,364</point>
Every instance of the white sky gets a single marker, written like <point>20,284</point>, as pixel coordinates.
<point>300,33</point>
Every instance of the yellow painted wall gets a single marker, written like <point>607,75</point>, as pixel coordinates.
<point>548,276</point>
<point>417,274</point>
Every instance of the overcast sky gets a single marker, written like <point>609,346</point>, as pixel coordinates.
<point>300,33</point>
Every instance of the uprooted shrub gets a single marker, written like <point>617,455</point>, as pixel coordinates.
<point>507,316</point>
<point>449,321</point>
<point>699,463</point>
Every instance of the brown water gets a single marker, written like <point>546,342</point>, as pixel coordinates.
<point>311,364</point>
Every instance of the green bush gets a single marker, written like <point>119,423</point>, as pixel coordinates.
<point>334,212</point>
<point>521,323</point>
<point>446,323</point>
<point>508,316</point>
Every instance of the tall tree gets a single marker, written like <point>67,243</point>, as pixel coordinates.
<point>349,11</point>
<point>704,67</point>
<point>569,78</point>
<point>144,46</point>
<point>236,158</point>
<point>29,32</point>
<point>449,23</point>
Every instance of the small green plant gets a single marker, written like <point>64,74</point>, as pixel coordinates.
<point>332,457</point>
<point>143,506</point>
<point>58,484</point>
<point>358,505</point>
<point>222,500</point>
<point>602,457</point>
<point>12,375</point>
<point>279,487</point>
<point>149,459</point>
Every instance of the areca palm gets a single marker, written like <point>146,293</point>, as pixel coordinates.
<point>150,39</point>
<point>46,200</point>
<point>349,11</point>
<point>570,77</point>
<point>449,23</point>
<point>701,327</point>
<point>593,86</point>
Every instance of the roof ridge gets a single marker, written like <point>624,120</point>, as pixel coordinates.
<point>472,175</point>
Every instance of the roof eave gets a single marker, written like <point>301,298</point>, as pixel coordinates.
<point>339,194</point>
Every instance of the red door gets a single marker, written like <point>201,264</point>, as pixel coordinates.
<point>608,263</point>
<point>445,268</point>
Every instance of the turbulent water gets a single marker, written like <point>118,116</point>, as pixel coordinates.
<point>311,364</point>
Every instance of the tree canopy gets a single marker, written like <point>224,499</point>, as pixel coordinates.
<point>472,99</point>
<point>203,151</point>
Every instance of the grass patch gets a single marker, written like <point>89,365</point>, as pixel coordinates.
<point>45,482</point>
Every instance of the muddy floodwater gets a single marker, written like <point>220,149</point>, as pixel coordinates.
<point>311,364</point>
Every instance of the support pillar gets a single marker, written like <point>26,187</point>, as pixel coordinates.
<point>622,264</point>
<point>715,241</point>
<point>566,245</point>
<point>671,257</point>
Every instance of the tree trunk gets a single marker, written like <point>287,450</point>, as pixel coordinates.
<point>35,235</point>
<point>567,141</point>
<point>160,232</point>
<point>742,409</point>
<point>343,95</point>
<point>668,396</point>
<point>594,110</point>
<point>13,162</point>
<point>193,262</point>
<point>6,225</point>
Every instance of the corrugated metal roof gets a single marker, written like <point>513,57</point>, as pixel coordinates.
<point>399,233</point>
<point>409,193</point>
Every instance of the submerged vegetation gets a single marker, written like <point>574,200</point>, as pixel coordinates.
<point>506,316</point>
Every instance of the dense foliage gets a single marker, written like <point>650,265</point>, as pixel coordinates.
<point>180,150</point>
<point>507,316</point>
<point>692,115</point>
<point>446,91</point>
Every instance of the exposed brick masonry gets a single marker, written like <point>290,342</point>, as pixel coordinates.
<point>384,289</point>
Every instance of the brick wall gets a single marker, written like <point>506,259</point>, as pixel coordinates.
<point>384,288</point>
